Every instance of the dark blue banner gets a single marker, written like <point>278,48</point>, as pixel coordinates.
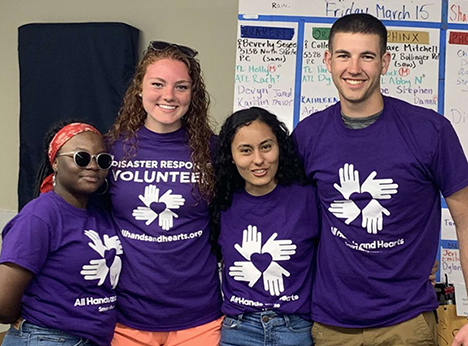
<point>267,32</point>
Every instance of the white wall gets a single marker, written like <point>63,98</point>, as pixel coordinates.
<point>209,26</point>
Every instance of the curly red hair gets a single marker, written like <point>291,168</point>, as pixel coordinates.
<point>132,116</point>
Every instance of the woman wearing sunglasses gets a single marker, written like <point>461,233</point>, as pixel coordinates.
<point>60,259</point>
<point>160,187</point>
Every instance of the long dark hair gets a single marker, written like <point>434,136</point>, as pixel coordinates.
<point>228,179</point>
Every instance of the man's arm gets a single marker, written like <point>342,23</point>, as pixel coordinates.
<point>458,206</point>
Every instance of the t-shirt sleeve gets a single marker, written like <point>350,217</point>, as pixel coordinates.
<point>450,165</point>
<point>26,242</point>
<point>297,140</point>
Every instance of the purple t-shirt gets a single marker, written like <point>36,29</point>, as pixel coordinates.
<point>379,195</point>
<point>75,256</point>
<point>268,245</point>
<point>170,279</point>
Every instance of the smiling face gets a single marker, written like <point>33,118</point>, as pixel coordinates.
<point>74,184</point>
<point>255,153</point>
<point>356,64</point>
<point>166,95</point>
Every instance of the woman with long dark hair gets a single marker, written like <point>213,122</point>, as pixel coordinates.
<point>268,229</point>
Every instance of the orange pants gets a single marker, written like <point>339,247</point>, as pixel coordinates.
<point>208,334</point>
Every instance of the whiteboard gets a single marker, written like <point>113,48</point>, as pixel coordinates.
<point>457,11</point>
<point>265,69</point>
<point>286,74</point>
<point>281,45</point>
<point>456,82</point>
<point>412,10</point>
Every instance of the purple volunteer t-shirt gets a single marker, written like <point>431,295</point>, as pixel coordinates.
<point>268,245</point>
<point>75,256</point>
<point>170,279</point>
<point>379,195</point>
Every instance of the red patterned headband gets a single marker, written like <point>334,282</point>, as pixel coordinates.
<point>65,134</point>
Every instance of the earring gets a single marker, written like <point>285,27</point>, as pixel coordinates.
<point>139,94</point>
<point>103,188</point>
<point>53,180</point>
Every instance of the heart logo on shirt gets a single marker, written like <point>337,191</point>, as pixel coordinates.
<point>109,256</point>
<point>158,207</point>
<point>261,261</point>
<point>361,199</point>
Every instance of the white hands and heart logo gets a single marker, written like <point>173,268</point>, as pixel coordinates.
<point>158,206</point>
<point>109,263</point>
<point>373,213</point>
<point>262,260</point>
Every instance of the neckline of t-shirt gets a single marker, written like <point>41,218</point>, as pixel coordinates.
<point>264,198</point>
<point>369,130</point>
<point>177,134</point>
<point>67,206</point>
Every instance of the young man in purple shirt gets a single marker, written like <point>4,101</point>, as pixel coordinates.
<point>380,165</point>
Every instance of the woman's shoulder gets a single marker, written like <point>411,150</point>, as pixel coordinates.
<point>38,212</point>
<point>42,205</point>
